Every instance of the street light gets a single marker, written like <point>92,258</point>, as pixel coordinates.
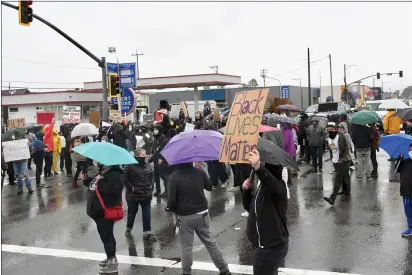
<point>280,85</point>
<point>345,68</point>
<point>301,93</point>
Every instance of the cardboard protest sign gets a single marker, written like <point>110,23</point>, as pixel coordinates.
<point>242,127</point>
<point>184,109</point>
<point>216,114</point>
<point>115,115</point>
<point>16,123</point>
<point>44,117</point>
<point>16,150</point>
<point>94,118</point>
<point>71,114</point>
<point>174,112</point>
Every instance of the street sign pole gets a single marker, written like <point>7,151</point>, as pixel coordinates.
<point>105,107</point>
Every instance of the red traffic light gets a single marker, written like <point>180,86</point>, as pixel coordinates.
<point>27,3</point>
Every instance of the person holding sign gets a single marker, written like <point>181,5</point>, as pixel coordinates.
<point>49,144</point>
<point>267,224</point>
<point>22,173</point>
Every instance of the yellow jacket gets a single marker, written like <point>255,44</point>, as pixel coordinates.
<point>56,142</point>
<point>392,125</point>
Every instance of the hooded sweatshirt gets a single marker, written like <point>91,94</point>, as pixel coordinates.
<point>347,136</point>
<point>48,137</point>
<point>276,136</point>
<point>289,141</point>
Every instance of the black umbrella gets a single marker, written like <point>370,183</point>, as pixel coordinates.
<point>404,114</point>
<point>17,132</point>
<point>273,154</point>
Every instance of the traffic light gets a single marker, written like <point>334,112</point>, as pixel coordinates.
<point>400,73</point>
<point>378,75</point>
<point>114,85</point>
<point>25,13</point>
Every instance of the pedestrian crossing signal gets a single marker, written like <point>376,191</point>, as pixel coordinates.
<point>25,13</point>
<point>114,85</point>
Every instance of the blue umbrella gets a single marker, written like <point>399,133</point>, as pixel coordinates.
<point>397,144</point>
<point>105,153</point>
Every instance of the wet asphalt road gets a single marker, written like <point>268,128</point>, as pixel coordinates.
<point>358,236</point>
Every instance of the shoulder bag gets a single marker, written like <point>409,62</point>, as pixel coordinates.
<point>112,213</point>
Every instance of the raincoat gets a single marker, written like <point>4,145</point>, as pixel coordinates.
<point>289,141</point>
<point>392,125</point>
<point>48,137</point>
<point>57,149</point>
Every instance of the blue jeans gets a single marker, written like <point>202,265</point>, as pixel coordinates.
<point>407,204</point>
<point>22,172</point>
<point>133,208</point>
<point>317,153</point>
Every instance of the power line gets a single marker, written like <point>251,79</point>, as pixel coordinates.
<point>46,63</point>
<point>41,82</point>
<point>42,88</point>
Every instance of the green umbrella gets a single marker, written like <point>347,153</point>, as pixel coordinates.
<point>364,117</point>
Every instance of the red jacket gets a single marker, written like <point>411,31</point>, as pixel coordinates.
<point>48,137</point>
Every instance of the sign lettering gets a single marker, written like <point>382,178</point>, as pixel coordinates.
<point>242,127</point>
<point>16,150</point>
<point>71,114</point>
<point>16,123</point>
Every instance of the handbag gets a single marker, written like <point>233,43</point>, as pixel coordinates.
<point>113,213</point>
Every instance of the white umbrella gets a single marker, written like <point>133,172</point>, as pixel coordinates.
<point>85,129</point>
<point>393,104</point>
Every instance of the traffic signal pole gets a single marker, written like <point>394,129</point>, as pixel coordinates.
<point>100,62</point>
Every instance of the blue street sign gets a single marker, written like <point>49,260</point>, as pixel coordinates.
<point>127,75</point>
<point>284,92</point>
<point>111,68</point>
<point>128,102</point>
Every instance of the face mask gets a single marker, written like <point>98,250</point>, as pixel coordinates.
<point>332,135</point>
<point>141,160</point>
<point>130,128</point>
<point>156,132</point>
<point>13,137</point>
<point>410,154</point>
<point>103,140</point>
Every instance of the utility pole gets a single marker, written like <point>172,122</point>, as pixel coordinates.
<point>330,68</point>
<point>263,75</point>
<point>137,63</point>
<point>215,68</point>
<point>310,91</point>
<point>301,92</point>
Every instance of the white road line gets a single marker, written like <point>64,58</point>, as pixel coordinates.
<point>85,255</point>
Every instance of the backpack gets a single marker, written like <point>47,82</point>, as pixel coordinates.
<point>38,147</point>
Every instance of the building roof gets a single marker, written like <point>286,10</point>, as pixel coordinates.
<point>15,91</point>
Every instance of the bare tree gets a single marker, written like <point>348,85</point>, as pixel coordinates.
<point>253,83</point>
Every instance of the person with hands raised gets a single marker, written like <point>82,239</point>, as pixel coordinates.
<point>267,206</point>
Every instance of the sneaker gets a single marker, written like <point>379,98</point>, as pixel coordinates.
<point>20,192</point>
<point>359,179</point>
<point>149,237</point>
<point>128,231</point>
<point>407,233</point>
<point>332,172</point>
<point>233,189</point>
<point>224,185</point>
<point>40,185</point>
<point>245,214</point>
<point>103,263</point>
<point>225,273</point>
<point>368,178</point>
<point>352,168</point>
<point>110,267</point>
<point>156,194</point>
<point>329,200</point>
<point>30,190</point>
<point>214,187</point>
<point>56,173</point>
<point>314,170</point>
<point>320,171</point>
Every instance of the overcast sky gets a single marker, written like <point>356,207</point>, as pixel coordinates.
<point>186,38</point>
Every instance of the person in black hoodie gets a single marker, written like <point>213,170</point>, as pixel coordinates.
<point>404,167</point>
<point>266,226</point>
<point>118,135</point>
<point>110,187</point>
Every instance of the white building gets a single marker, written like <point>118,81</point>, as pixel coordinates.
<point>25,104</point>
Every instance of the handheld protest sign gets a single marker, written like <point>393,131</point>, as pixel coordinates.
<point>242,127</point>
<point>184,109</point>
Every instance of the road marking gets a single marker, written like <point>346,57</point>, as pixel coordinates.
<point>158,262</point>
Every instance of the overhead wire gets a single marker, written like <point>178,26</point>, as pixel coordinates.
<point>47,63</point>
<point>41,82</point>
<point>42,88</point>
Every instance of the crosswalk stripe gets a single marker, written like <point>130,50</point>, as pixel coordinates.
<point>144,261</point>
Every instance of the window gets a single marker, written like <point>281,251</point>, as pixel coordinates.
<point>54,110</point>
<point>47,109</point>
<point>60,110</point>
<point>14,110</point>
<point>85,111</point>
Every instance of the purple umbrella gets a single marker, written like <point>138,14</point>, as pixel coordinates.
<point>288,107</point>
<point>195,146</point>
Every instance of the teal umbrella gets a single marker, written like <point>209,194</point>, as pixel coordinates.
<point>105,153</point>
<point>364,117</point>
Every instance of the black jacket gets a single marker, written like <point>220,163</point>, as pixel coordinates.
<point>141,178</point>
<point>405,170</point>
<point>185,190</point>
<point>267,225</point>
<point>110,188</point>
<point>361,136</point>
<point>119,137</point>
